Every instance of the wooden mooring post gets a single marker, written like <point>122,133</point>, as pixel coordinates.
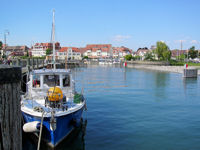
<point>33,65</point>
<point>10,113</point>
<point>28,64</point>
<point>37,63</point>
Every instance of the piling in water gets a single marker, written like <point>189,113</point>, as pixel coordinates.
<point>10,113</point>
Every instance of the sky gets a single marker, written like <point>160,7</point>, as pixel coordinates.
<point>130,23</point>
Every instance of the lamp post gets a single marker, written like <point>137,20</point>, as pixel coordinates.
<point>6,32</point>
<point>181,48</point>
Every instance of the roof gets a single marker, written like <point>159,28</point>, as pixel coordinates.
<point>121,49</point>
<point>65,49</point>
<point>47,44</point>
<point>178,52</point>
<point>17,48</point>
<point>98,46</point>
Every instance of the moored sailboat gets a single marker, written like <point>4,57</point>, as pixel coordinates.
<point>51,107</point>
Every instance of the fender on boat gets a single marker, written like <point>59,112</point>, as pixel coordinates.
<point>31,127</point>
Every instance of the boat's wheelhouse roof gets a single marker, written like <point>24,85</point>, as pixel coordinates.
<point>51,71</point>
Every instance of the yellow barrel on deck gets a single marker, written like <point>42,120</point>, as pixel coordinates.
<point>55,94</point>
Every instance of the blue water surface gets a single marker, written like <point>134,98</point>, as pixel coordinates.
<point>131,109</point>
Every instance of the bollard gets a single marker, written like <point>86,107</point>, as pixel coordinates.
<point>10,110</point>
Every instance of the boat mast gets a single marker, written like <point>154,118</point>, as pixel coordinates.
<point>53,40</point>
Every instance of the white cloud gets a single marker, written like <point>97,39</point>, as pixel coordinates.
<point>194,42</point>
<point>120,38</point>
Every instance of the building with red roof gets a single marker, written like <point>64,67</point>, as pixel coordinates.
<point>69,53</point>
<point>177,52</point>
<point>39,49</point>
<point>97,50</point>
<point>15,50</point>
<point>119,52</point>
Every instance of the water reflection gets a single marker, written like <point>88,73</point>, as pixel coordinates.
<point>103,78</point>
<point>189,83</point>
<point>75,141</point>
<point>161,79</point>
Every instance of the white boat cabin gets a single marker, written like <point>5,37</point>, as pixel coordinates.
<point>43,79</point>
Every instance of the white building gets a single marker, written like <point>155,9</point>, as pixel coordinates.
<point>39,49</point>
<point>142,52</point>
<point>98,50</point>
<point>71,53</point>
<point>120,52</point>
<point>96,53</point>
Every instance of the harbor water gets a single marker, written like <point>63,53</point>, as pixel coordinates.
<point>133,109</point>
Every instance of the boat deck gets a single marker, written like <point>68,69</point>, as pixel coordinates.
<point>36,108</point>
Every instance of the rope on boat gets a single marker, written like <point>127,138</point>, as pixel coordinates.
<point>38,109</point>
<point>41,125</point>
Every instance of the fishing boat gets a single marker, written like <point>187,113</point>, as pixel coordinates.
<point>51,108</point>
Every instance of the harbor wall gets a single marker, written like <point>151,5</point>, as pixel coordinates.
<point>157,63</point>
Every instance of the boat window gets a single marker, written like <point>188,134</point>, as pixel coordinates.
<point>51,80</point>
<point>36,81</point>
<point>66,80</point>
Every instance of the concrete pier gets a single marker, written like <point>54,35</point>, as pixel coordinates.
<point>190,73</point>
<point>10,113</point>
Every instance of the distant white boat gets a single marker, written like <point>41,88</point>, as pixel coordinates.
<point>116,61</point>
<point>102,62</point>
<point>105,62</point>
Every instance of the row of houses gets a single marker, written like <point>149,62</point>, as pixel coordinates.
<point>93,51</point>
<point>174,53</point>
<point>14,50</point>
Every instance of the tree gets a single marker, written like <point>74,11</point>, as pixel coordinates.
<point>136,58</point>
<point>85,57</point>
<point>182,57</point>
<point>149,56</point>
<point>1,45</point>
<point>49,51</point>
<point>162,51</point>
<point>27,53</point>
<point>128,57</point>
<point>192,53</point>
<point>167,55</point>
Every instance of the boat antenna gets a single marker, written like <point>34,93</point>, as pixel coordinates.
<point>53,40</point>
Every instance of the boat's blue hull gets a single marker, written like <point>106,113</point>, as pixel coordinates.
<point>64,125</point>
